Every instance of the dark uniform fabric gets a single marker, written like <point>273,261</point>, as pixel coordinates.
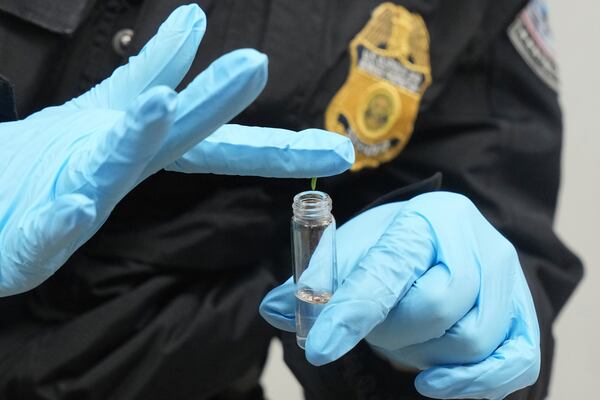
<point>162,302</point>
<point>8,111</point>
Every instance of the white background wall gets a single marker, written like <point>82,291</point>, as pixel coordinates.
<point>577,361</point>
<point>577,29</point>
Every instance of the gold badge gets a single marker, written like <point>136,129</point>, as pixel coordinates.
<point>389,72</point>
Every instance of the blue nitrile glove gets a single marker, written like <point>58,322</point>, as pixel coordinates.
<point>432,285</point>
<point>63,169</point>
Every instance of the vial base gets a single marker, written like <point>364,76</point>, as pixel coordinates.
<point>309,304</point>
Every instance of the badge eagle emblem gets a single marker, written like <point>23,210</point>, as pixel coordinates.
<point>389,72</point>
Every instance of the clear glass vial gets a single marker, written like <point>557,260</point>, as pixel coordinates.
<point>314,258</point>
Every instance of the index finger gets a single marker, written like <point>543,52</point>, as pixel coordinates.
<point>376,283</point>
<point>268,152</point>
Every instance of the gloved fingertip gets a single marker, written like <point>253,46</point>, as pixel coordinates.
<point>435,384</point>
<point>283,322</point>
<point>154,104</point>
<point>186,17</point>
<point>332,153</point>
<point>251,58</point>
<point>323,343</point>
<point>278,307</point>
<point>315,357</point>
<point>346,151</point>
<point>250,64</point>
<point>269,306</point>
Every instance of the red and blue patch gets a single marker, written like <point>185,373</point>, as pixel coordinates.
<point>532,37</point>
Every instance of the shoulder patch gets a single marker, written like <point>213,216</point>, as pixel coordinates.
<point>531,35</point>
<point>390,70</point>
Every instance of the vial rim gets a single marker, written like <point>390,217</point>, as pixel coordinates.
<point>312,205</point>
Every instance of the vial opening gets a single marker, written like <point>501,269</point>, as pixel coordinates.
<point>312,205</point>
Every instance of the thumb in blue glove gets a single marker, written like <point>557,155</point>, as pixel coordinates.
<point>430,284</point>
<point>65,168</point>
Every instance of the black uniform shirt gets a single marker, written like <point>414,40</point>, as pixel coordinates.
<point>162,302</point>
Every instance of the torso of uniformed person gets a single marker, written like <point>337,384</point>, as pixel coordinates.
<point>169,288</point>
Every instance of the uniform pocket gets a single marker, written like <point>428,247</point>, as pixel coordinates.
<point>62,16</point>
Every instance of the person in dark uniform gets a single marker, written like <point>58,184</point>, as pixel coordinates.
<point>162,302</point>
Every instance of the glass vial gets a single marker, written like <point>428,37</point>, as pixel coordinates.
<point>314,258</point>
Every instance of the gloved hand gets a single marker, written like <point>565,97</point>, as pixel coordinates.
<point>63,169</point>
<point>432,285</point>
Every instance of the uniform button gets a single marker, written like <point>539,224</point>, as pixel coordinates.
<point>122,40</point>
